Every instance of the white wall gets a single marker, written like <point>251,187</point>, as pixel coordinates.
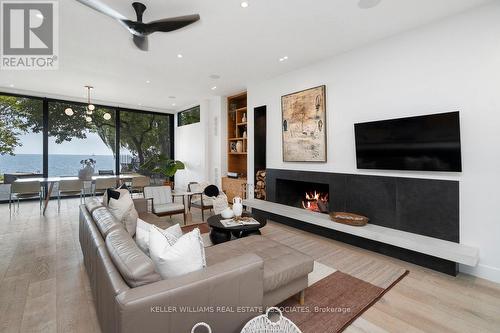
<point>450,65</point>
<point>199,145</point>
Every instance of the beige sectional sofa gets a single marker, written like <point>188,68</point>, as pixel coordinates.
<point>242,277</point>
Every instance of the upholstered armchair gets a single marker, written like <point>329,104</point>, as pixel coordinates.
<point>203,199</point>
<point>163,201</point>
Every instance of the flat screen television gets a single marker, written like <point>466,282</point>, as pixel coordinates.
<point>423,143</point>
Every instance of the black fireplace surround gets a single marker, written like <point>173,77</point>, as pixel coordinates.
<point>422,206</point>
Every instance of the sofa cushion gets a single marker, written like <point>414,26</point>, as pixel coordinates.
<point>282,264</point>
<point>168,207</point>
<point>123,210</point>
<point>142,234</point>
<point>176,256</point>
<point>135,267</point>
<point>93,204</point>
<point>105,221</point>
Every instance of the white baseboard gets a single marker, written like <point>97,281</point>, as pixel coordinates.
<point>483,271</point>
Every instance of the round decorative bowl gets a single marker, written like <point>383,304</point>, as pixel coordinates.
<point>227,213</point>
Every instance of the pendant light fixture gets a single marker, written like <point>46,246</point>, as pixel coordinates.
<point>90,106</point>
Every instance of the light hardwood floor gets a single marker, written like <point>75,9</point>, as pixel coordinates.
<point>44,288</point>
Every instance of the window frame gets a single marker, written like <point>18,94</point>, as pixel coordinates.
<point>117,110</point>
<point>191,109</point>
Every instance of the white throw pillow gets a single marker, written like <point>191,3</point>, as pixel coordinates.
<point>184,256</point>
<point>142,234</point>
<point>124,211</point>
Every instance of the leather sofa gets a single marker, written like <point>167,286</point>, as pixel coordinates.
<point>242,277</point>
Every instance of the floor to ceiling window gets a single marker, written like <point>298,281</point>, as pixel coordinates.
<point>76,135</point>
<point>21,139</point>
<point>142,136</point>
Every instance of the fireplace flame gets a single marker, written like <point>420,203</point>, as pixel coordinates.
<point>316,202</point>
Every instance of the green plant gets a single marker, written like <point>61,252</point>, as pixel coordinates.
<point>163,165</point>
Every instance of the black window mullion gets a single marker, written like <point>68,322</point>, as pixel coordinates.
<point>45,131</point>
<point>117,141</point>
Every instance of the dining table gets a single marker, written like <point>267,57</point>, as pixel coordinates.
<point>48,182</point>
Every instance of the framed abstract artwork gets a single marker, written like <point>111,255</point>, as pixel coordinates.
<point>304,125</point>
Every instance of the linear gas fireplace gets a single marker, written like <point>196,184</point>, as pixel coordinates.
<point>307,195</point>
<point>426,207</point>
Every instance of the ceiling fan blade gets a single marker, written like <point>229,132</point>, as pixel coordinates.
<point>171,24</point>
<point>141,42</point>
<point>103,8</point>
<point>366,4</point>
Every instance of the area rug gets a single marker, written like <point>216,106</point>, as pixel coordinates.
<point>332,303</point>
<point>204,228</point>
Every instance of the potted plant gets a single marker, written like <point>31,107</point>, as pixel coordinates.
<point>87,170</point>
<point>162,165</point>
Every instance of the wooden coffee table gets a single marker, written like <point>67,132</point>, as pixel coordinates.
<point>220,233</point>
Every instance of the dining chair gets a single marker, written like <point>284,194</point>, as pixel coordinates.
<point>101,185</point>
<point>139,183</point>
<point>25,190</point>
<point>69,187</point>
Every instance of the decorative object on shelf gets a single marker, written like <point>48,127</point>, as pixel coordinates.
<point>244,118</point>
<point>264,323</point>
<point>233,147</point>
<point>237,206</point>
<point>239,146</point>
<point>161,164</point>
<point>304,125</point>
<point>87,170</point>
<point>232,174</point>
<point>349,218</point>
<point>244,134</point>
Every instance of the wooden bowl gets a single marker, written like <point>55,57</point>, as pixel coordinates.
<point>349,218</point>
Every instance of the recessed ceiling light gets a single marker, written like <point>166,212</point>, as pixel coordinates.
<point>140,104</point>
<point>214,76</point>
<point>283,59</point>
<point>213,88</point>
<point>173,104</point>
<point>147,81</point>
<point>11,85</point>
<point>244,4</point>
<point>180,56</point>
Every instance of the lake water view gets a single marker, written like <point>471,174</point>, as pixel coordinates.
<point>59,165</point>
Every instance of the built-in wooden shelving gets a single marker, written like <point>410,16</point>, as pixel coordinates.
<point>236,133</point>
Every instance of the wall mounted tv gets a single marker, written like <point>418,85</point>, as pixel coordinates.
<point>423,143</point>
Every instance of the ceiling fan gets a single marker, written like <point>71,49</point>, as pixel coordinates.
<point>139,29</point>
<point>366,4</point>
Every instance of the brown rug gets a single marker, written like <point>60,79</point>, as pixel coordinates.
<point>204,228</point>
<point>333,303</point>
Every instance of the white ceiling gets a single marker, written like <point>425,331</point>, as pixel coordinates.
<point>240,45</point>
